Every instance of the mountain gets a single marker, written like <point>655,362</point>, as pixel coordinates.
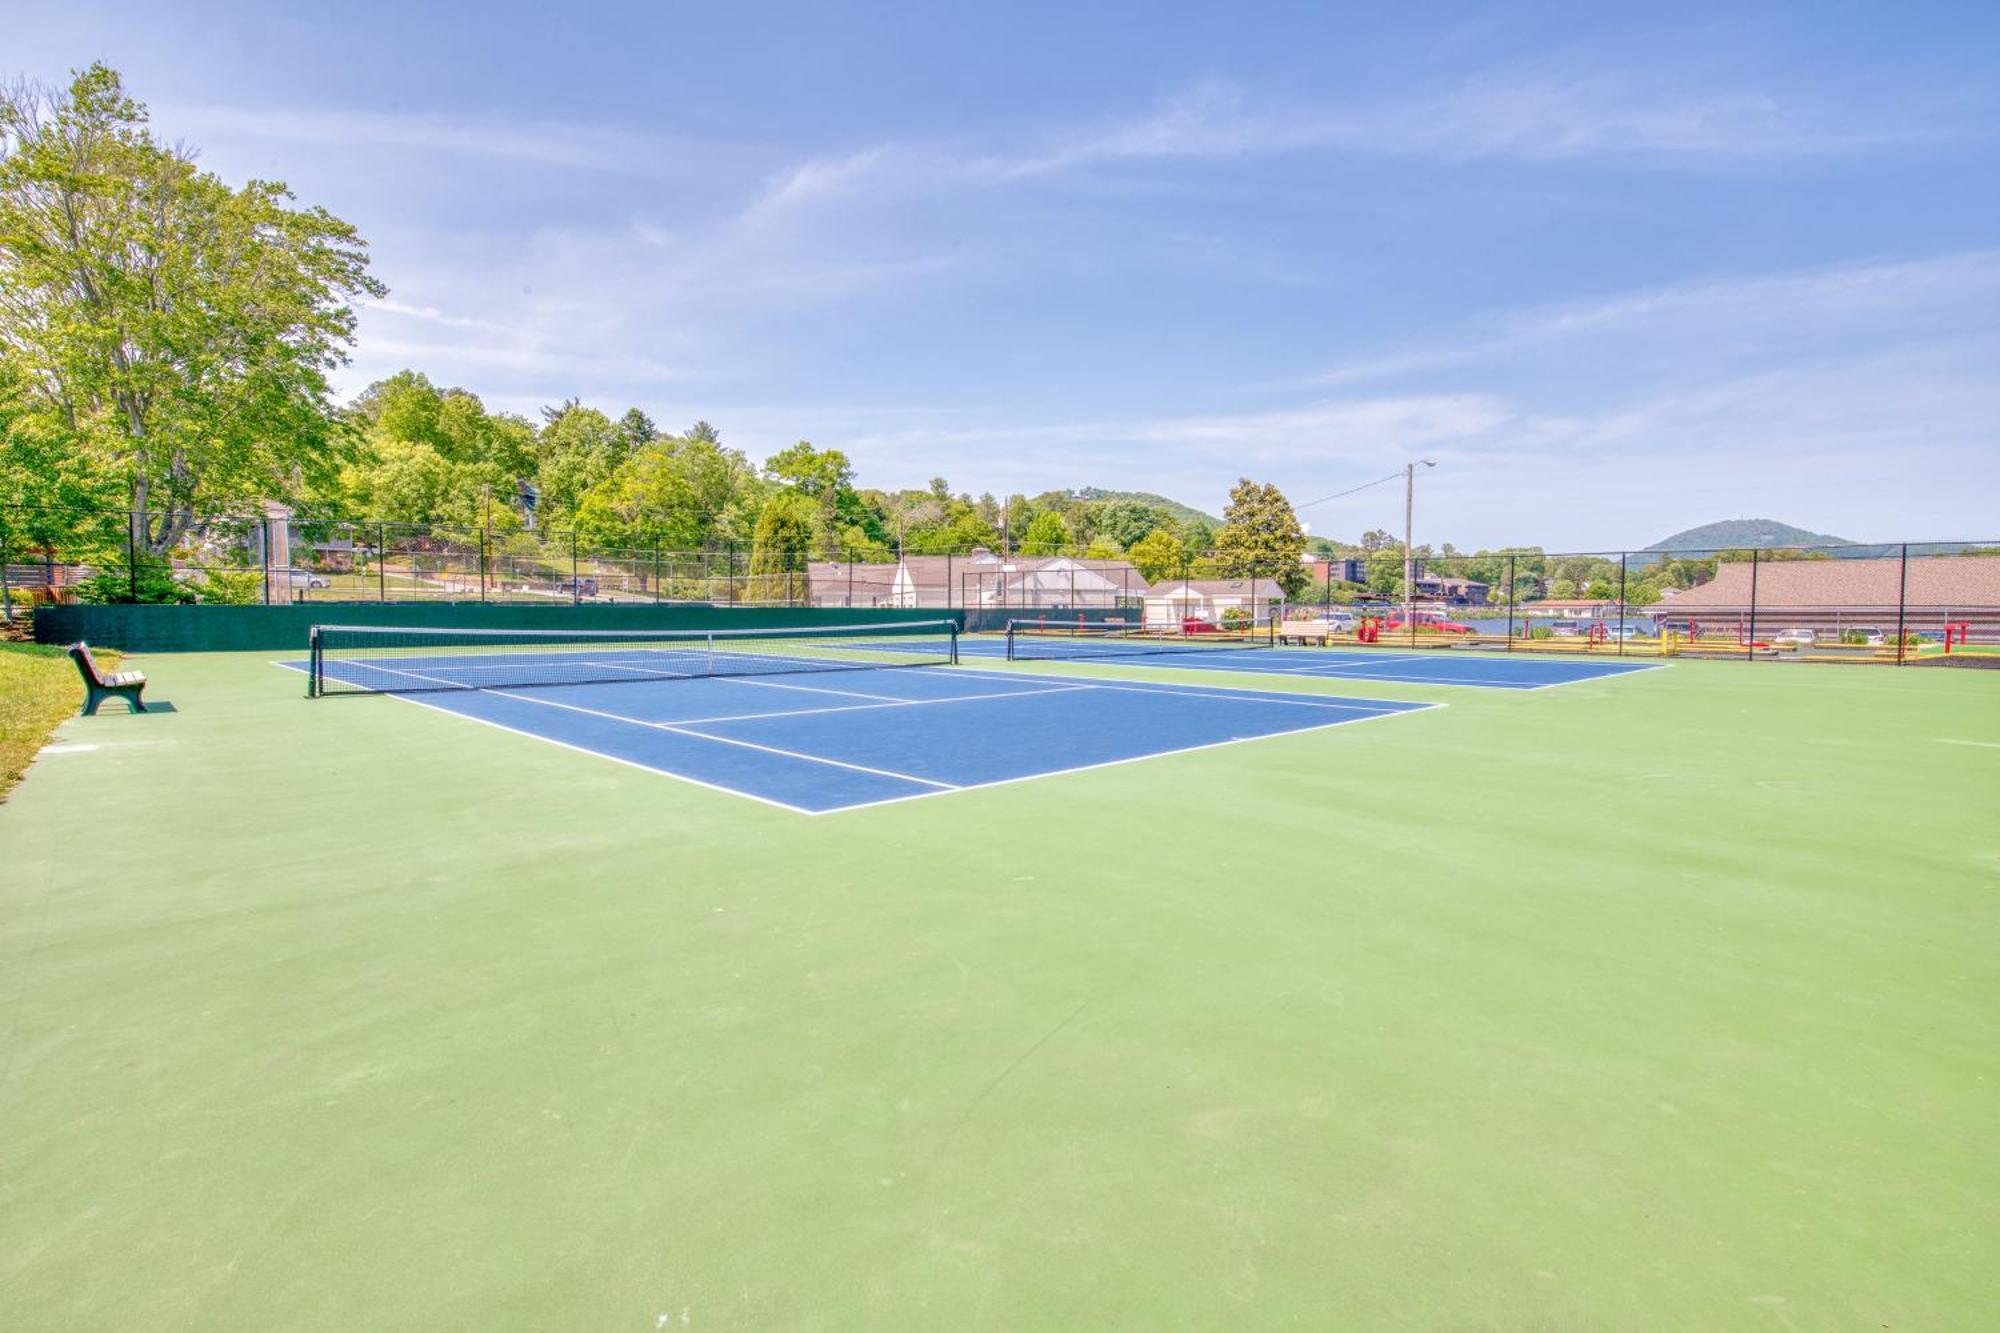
<point>1735,533</point>
<point>1182,513</point>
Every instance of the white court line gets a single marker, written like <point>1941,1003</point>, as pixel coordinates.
<point>1129,759</point>
<point>1324,673</point>
<point>594,754</point>
<point>1368,715</point>
<point>727,740</point>
<point>413,675</point>
<point>862,708</point>
<point>1139,687</point>
<point>1941,740</point>
<point>812,689</point>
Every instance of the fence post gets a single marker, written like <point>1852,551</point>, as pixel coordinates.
<point>1750,639</point>
<point>485,541</point>
<point>381,562</point>
<point>1622,555</point>
<point>656,571</point>
<point>575,590</point>
<point>729,574</point>
<point>1510,603</point>
<point>264,552</point>
<point>850,577</point>
<point>132,522</point>
<point>1902,600</point>
<point>949,587</point>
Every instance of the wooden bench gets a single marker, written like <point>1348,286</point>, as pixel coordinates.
<point>98,687</point>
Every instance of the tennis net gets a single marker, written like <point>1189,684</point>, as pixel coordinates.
<point>1057,640</point>
<point>365,659</point>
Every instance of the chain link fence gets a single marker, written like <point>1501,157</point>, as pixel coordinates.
<point>1917,602</point>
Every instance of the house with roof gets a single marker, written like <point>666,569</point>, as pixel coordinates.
<point>1829,595</point>
<point>980,578</point>
<point>1176,600</point>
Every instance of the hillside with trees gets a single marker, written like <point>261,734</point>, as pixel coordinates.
<point>1740,532</point>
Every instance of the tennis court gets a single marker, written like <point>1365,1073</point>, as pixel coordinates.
<point>1658,999</point>
<point>863,715</point>
<point>1033,641</point>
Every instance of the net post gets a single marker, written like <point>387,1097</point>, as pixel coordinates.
<point>951,627</point>
<point>312,662</point>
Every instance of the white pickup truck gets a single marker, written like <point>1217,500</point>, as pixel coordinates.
<point>1318,629</point>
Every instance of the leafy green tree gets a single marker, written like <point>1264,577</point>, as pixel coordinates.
<point>1158,555</point>
<point>1197,536</point>
<point>638,430</point>
<point>780,547</point>
<point>682,493</point>
<point>1103,548</point>
<point>1047,535</point>
<point>409,482</point>
<point>1261,537</point>
<point>174,330</point>
<point>432,455</point>
<point>1127,521</point>
<point>856,544</point>
<point>823,475</point>
<point>580,447</point>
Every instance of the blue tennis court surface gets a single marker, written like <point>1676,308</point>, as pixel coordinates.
<point>1427,667</point>
<point>837,740</point>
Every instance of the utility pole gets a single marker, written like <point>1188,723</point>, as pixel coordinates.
<point>1409,538</point>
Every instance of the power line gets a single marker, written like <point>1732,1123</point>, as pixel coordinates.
<point>1337,495</point>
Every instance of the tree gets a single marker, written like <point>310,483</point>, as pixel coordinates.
<point>1126,521</point>
<point>781,546</point>
<point>1047,535</point>
<point>580,447</point>
<point>1157,555</point>
<point>638,430</point>
<point>1261,537</point>
<point>175,330</point>
<point>825,476</point>
<point>682,494</point>
<point>1103,548</point>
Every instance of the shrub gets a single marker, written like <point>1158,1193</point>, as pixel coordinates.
<point>152,584</point>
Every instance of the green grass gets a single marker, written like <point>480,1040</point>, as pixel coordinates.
<point>1660,1002</point>
<point>38,689</point>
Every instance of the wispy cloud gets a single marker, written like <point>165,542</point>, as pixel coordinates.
<point>612,149</point>
<point>1869,299</point>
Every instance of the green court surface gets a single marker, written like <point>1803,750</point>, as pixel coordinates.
<point>1670,1001</point>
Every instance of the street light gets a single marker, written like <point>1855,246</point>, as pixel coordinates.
<point>1409,534</point>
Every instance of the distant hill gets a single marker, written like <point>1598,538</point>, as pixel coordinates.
<point>1734,533</point>
<point>1181,512</point>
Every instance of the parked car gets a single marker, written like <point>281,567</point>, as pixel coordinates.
<point>305,578</point>
<point>1627,632</point>
<point>1794,638</point>
<point>585,587</point>
<point>1316,629</point>
<point>1868,636</point>
<point>1567,629</point>
<point>1429,620</point>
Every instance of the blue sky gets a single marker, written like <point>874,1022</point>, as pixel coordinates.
<point>1618,269</point>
